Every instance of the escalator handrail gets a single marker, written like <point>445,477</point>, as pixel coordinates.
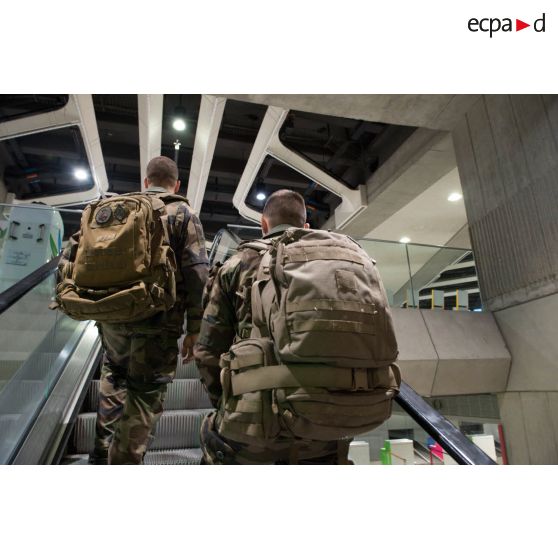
<point>11,295</point>
<point>454,443</point>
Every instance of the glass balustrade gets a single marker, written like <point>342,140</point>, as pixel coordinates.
<point>30,236</point>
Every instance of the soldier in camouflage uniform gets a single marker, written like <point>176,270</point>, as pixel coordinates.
<point>228,318</point>
<point>139,358</point>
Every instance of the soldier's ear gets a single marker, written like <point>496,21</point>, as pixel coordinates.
<point>306,226</point>
<point>177,186</point>
<point>265,225</point>
<point>145,183</point>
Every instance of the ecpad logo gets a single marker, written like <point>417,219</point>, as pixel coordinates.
<point>493,25</point>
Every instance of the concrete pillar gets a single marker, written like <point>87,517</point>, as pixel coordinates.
<point>507,154</point>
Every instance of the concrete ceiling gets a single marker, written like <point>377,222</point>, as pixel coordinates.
<point>402,172</point>
<point>429,218</point>
<point>438,112</point>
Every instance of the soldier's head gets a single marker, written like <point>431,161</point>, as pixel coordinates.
<point>163,172</point>
<point>284,207</point>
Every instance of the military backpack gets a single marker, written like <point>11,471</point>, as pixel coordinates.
<point>319,362</point>
<point>124,269</point>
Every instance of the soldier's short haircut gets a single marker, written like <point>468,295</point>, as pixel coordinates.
<point>285,207</point>
<point>162,171</point>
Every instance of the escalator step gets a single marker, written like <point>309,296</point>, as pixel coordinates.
<point>181,394</point>
<point>188,456</point>
<point>188,370</point>
<point>175,429</point>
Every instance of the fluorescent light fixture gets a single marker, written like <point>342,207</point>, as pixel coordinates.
<point>179,124</point>
<point>404,239</point>
<point>260,196</point>
<point>80,174</point>
<point>455,196</point>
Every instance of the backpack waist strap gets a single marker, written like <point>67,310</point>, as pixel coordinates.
<point>283,376</point>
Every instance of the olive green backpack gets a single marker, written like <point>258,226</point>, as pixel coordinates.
<point>319,363</point>
<point>124,269</point>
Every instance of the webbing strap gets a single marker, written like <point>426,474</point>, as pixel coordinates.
<point>283,376</point>
<point>263,268</point>
<point>331,304</point>
<point>243,406</point>
<point>244,361</point>
<point>312,253</point>
<point>333,325</point>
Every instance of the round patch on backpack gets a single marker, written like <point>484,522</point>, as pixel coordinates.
<point>103,215</point>
<point>120,212</point>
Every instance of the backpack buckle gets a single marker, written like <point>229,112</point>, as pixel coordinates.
<point>360,379</point>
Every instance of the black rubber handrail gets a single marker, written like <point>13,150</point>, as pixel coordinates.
<point>453,442</point>
<point>11,295</point>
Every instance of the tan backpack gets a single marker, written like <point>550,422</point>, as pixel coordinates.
<point>319,364</point>
<point>124,270</point>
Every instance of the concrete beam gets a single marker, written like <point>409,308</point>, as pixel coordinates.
<point>207,131</point>
<point>451,353</point>
<point>421,160</point>
<point>79,111</point>
<point>268,143</point>
<point>438,112</point>
<point>150,117</point>
<point>271,124</point>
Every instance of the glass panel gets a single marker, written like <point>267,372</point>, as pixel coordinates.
<point>401,441</point>
<point>224,247</point>
<point>443,278</point>
<point>391,258</point>
<point>35,343</point>
<point>30,236</point>
<point>246,232</point>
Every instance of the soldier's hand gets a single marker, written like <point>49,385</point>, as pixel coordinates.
<point>187,350</point>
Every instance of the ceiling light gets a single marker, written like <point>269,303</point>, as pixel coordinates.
<point>179,119</point>
<point>179,124</point>
<point>80,174</point>
<point>260,196</point>
<point>404,239</point>
<point>455,196</point>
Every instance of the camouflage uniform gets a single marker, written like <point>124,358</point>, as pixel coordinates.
<point>140,358</point>
<point>228,318</point>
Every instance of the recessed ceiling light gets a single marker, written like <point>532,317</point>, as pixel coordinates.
<point>260,196</point>
<point>455,196</point>
<point>80,174</point>
<point>404,239</point>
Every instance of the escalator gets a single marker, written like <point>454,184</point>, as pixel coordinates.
<point>49,387</point>
<point>176,440</point>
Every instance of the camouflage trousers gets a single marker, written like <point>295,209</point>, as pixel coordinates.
<point>137,367</point>
<point>220,451</point>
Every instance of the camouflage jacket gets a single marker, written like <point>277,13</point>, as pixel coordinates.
<point>188,243</point>
<point>228,314</point>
